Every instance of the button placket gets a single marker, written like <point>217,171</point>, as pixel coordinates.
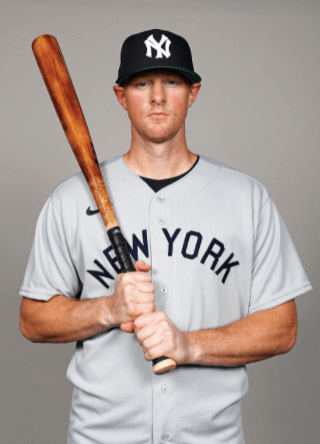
<point>164,398</point>
<point>161,210</point>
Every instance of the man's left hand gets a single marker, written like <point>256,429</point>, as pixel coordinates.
<point>158,336</point>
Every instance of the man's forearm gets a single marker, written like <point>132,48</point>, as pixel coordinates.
<point>65,320</point>
<point>259,336</point>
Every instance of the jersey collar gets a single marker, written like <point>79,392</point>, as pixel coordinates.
<point>117,173</point>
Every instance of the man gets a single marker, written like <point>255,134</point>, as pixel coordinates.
<point>217,273</point>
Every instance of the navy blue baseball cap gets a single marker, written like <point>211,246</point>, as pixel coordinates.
<point>156,49</point>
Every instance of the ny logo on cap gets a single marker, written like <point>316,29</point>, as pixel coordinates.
<point>152,43</point>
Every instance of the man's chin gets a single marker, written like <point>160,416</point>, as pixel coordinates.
<point>159,139</point>
<point>158,135</point>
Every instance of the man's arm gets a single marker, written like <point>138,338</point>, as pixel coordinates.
<point>65,320</point>
<point>256,337</point>
<point>259,336</point>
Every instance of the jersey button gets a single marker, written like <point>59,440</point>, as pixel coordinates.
<point>165,437</point>
<point>160,199</point>
<point>164,389</point>
<point>164,290</point>
<point>161,221</point>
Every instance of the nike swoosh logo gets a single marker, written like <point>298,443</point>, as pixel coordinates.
<point>91,212</point>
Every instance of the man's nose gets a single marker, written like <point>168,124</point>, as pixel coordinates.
<point>158,93</point>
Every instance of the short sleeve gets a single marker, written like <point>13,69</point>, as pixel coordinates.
<point>277,273</point>
<point>50,269</point>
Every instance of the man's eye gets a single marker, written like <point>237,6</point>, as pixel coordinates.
<point>171,82</point>
<point>142,83</point>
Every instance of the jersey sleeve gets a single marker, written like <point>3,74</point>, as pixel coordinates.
<point>50,269</point>
<point>277,272</point>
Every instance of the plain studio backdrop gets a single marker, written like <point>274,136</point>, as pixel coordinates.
<point>258,111</point>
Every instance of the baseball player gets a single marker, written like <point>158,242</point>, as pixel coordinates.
<point>216,281</point>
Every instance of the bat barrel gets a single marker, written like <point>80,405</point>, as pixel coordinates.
<point>66,103</point>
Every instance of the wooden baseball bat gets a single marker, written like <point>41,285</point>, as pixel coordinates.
<point>64,98</point>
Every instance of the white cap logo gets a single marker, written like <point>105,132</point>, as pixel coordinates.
<point>152,43</point>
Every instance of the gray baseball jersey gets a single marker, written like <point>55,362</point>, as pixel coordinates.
<point>219,251</point>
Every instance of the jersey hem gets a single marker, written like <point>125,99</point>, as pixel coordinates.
<point>283,298</point>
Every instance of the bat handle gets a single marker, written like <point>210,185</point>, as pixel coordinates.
<point>121,250</point>
<point>160,365</point>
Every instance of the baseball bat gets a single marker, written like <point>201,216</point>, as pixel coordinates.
<point>64,98</point>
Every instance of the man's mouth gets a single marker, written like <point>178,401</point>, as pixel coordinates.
<point>158,115</point>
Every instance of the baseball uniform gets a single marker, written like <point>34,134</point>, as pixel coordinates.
<point>219,251</point>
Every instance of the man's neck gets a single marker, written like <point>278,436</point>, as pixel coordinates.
<point>159,160</point>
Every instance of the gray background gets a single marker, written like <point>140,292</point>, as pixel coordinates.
<point>258,111</point>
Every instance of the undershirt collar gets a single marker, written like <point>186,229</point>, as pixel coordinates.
<point>158,184</point>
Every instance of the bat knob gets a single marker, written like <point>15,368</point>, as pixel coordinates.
<point>163,365</point>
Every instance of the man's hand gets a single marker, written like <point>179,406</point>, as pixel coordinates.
<point>258,336</point>
<point>158,336</point>
<point>133,296</point>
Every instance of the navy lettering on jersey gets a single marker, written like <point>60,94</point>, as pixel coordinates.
<point>112,260</point>
<point>100,274</point>
<point>190,249</point>
<point>171,239</point>
<point>226,266</point>
<point>212,253</point>
<point>136,243</point>
<point>186,242</point>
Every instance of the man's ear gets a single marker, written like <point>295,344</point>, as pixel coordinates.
<point>118,90</point>
<point>194,89</point>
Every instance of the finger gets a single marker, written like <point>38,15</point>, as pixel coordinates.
<point>127,327</point>
<point>144,298</point>
<point>145,308</point>
<point>156,352</point>
<point>142,266</point>
<point>146,287</point>
<point>143,320</point>
<point>146,325</point>
<point>141,276</point>
<point>148,338</point>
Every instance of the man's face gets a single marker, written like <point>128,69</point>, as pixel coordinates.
<point>157,103</point>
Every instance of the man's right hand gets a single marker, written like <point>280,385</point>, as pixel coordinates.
<point>133,296</point>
